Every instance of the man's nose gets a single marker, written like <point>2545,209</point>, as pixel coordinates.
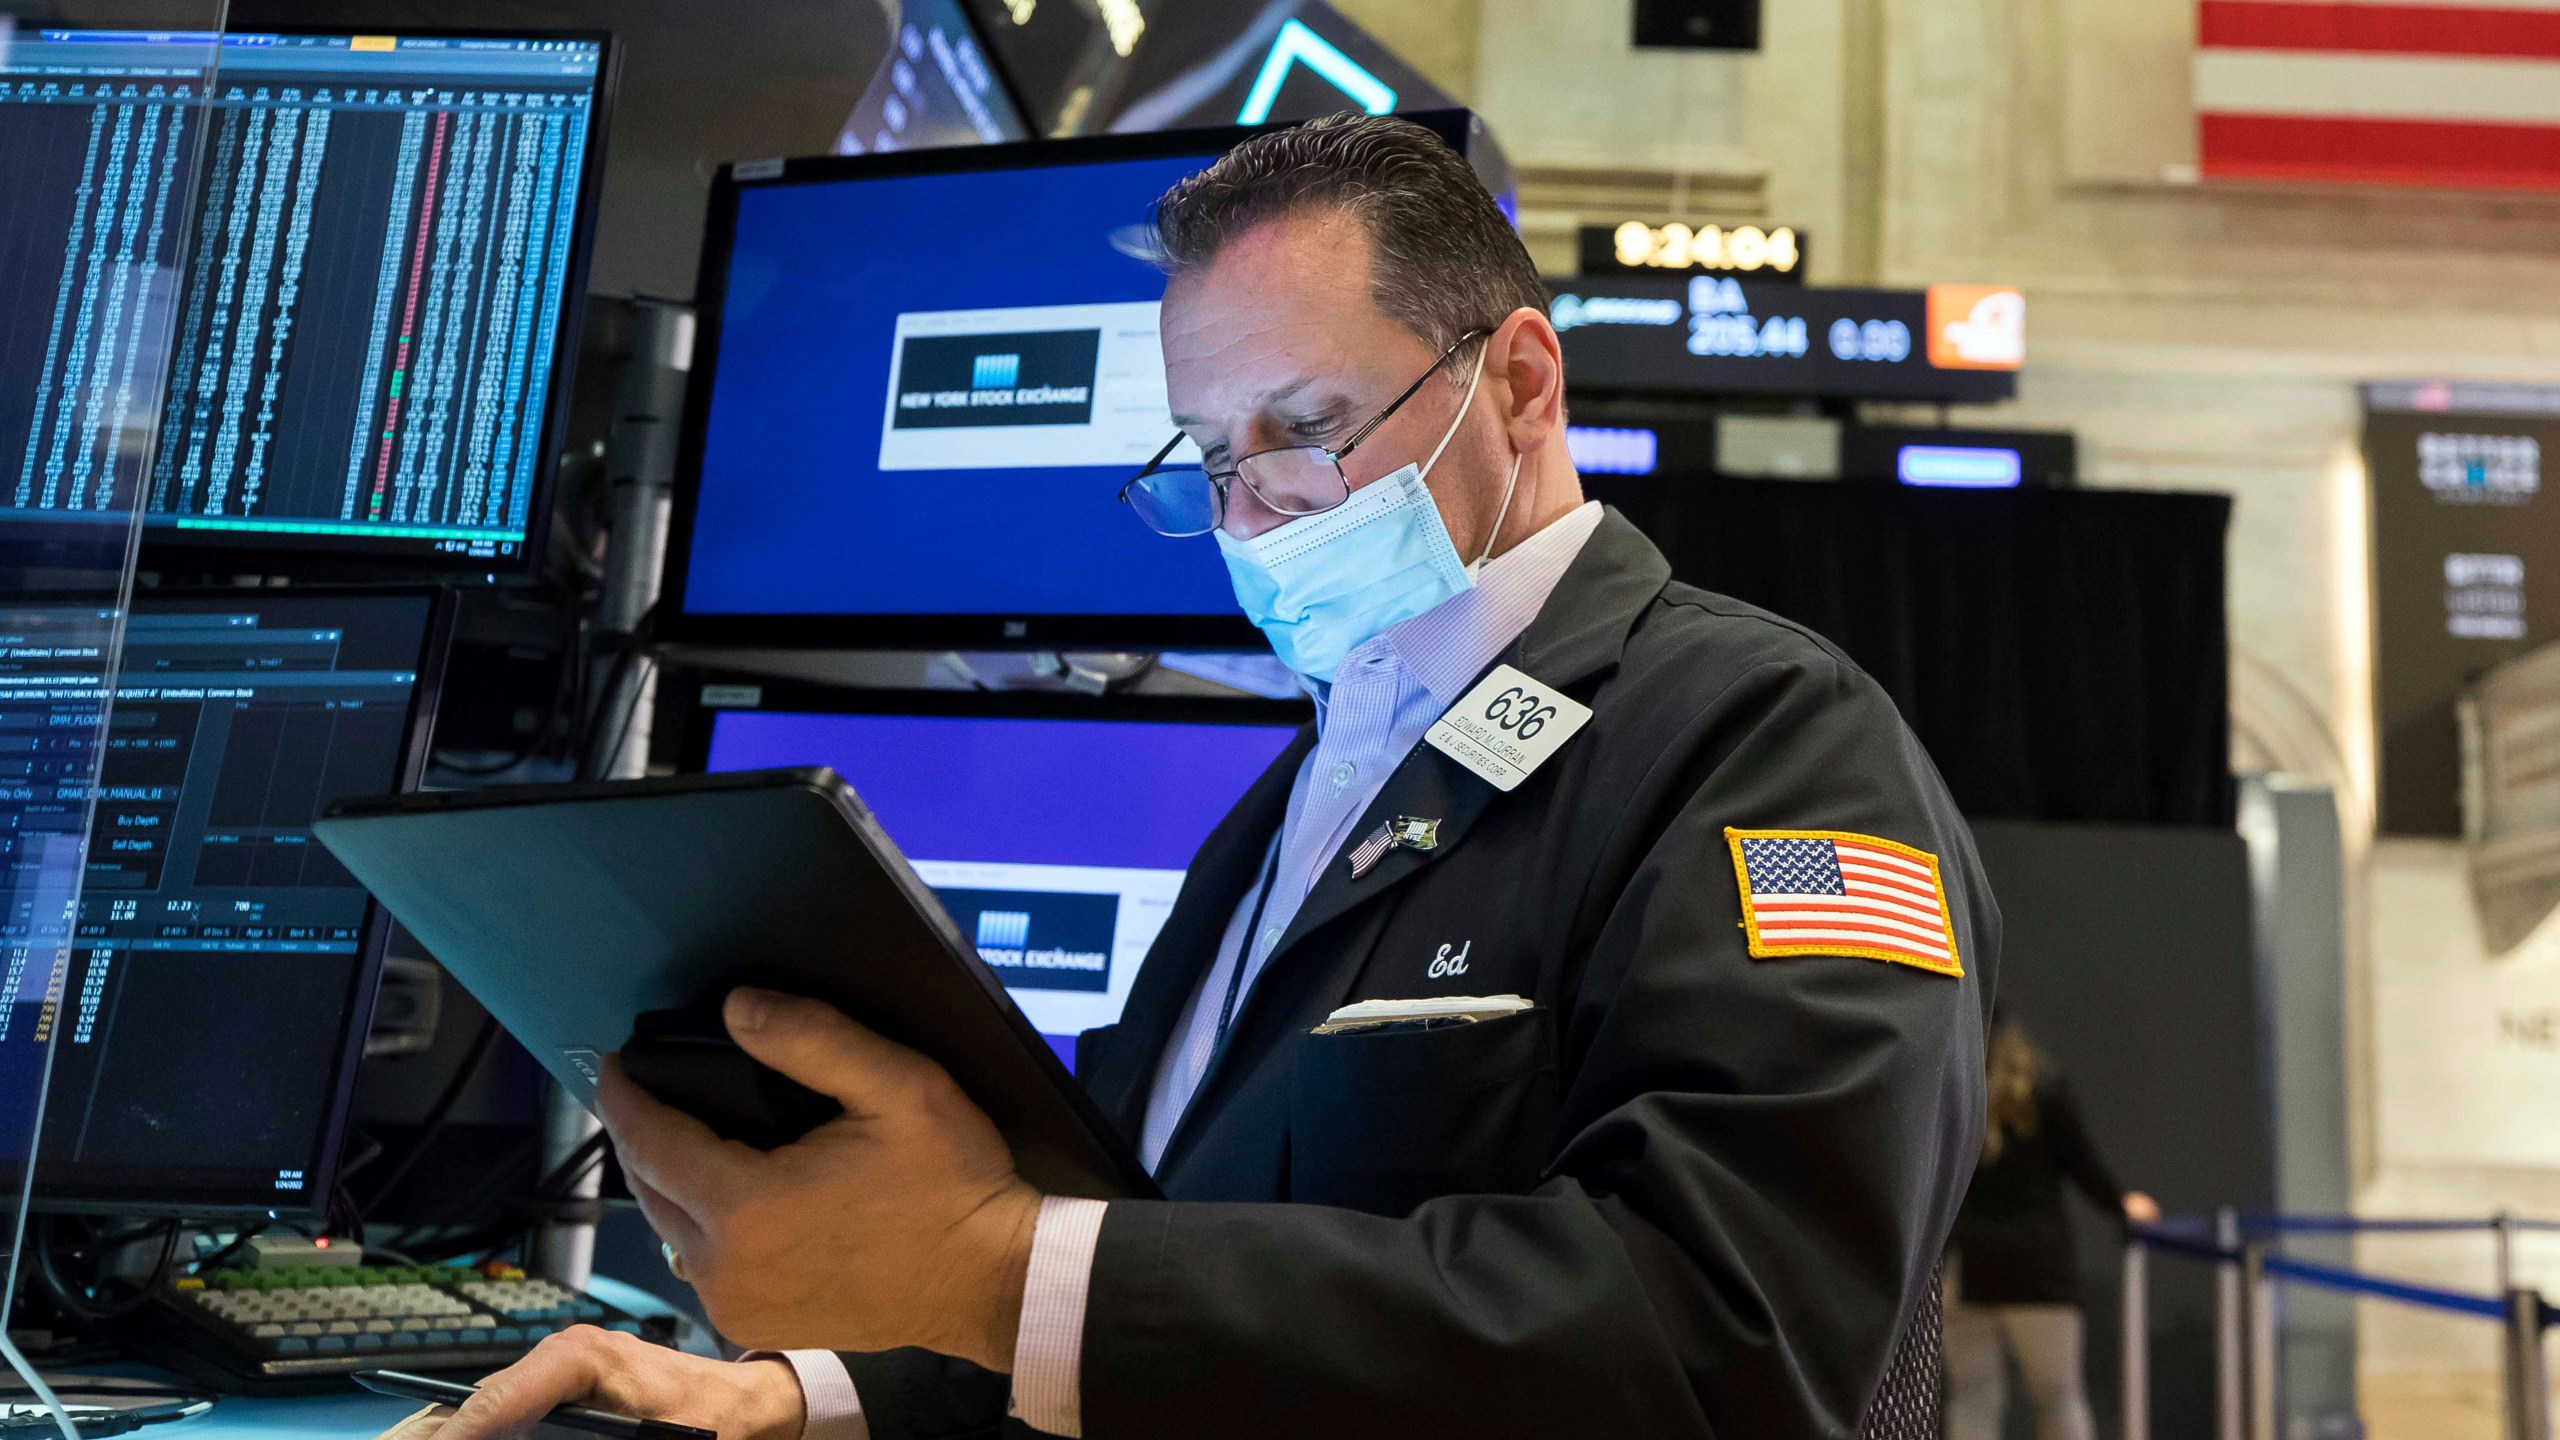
<point>1246,515</point>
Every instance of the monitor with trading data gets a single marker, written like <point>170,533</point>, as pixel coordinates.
<point>213,1001</point>
<point>1055,829</point>
<point>378,271</point>
<point>920,382</point>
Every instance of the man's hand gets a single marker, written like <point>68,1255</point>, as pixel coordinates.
<point>759,1400</point>
<point>899,1223</point>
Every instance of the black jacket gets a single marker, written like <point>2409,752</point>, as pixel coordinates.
<point>2012,1238</point>
<point>1692,1193</point>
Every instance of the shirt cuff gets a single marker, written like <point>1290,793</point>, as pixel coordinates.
<point>832,1409</point>
<point>1048,1353</point>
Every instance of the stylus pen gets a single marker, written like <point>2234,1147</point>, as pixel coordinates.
<point>567,1417</point>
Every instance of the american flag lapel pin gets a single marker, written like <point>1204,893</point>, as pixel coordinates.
<point>1406,830</point>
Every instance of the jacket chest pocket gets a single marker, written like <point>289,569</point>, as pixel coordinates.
<point>1382,1120</point>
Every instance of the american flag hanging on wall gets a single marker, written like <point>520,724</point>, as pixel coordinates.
<point>1827,892</point>
<point>2441,96</point>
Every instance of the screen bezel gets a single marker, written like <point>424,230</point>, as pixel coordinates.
<point>695,717</point>
<point>167,551</point>
<point>1225,630</point>
<point>73,1199</point>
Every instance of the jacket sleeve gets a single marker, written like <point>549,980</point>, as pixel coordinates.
<point>1755,1172</point>
<point>919,1395</point>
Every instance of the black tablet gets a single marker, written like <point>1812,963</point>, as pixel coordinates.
<point>569,911</point>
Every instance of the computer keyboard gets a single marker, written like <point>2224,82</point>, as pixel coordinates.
<point>286,1323</point>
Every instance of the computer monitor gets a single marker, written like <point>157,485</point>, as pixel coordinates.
<point>920,381</point>
<point>385,248</point>
<point>934,87</point>
<point>1055,828</point>
<point>222,970</point>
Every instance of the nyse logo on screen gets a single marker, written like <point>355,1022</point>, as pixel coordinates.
<point>2480,469</point>
<point>1043,377</point>
<point>1040,940</point>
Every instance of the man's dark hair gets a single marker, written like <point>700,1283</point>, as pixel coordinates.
<point>1444,260</point>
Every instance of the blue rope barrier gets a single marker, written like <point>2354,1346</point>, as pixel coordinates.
<point>2353,1224</point>
<point>2333,1277</point>
<point>2486,1306</point>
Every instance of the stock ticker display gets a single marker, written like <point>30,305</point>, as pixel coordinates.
<point>213,933</point>
<point>377,248</point>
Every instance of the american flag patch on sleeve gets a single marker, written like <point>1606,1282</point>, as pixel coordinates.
<point>1827,892</point>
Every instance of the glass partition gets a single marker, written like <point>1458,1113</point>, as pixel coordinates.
<point>103,144</point>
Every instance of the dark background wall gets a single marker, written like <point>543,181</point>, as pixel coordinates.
<point>2128,957</point>
<point>2061,653</point>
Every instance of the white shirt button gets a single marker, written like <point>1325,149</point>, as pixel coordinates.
<point>1270,937</point>
<point>1342,772</point>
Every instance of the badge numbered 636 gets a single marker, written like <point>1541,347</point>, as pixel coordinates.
<point>1507,726</point>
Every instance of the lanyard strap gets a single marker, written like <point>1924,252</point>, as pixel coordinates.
<point>1244,952</point>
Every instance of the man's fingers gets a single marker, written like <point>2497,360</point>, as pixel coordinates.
<point>667,1218</point>
<point>670,1150</point>
<point>567,1367</point>
<point>813,1043</point>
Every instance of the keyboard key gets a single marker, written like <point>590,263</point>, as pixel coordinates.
<point>293,1345</point>
<point>366,1342</point>
<point>330,1344</point>
<point>439,1337</point>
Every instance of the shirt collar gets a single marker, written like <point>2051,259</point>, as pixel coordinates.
<point>1446,647</point>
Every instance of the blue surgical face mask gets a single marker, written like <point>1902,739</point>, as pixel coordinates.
<point>1321,584</point>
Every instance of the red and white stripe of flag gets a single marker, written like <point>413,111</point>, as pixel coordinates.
<point>2460,96</point>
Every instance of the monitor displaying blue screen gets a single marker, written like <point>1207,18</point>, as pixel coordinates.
<point>1057,844</point>
<point>925,390</point>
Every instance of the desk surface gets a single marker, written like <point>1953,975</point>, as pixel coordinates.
<point>336,1417</point>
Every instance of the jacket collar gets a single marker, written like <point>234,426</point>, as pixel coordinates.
<point>1578,635</point>
<point>1224,869</point>
<point>1584,627</point>
<point>1581,632</point>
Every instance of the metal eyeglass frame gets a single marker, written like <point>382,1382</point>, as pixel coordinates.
<point>1218,478</point>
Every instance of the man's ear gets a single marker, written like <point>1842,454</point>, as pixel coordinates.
<point>1529,361</point>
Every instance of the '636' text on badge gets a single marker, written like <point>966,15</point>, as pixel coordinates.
<point>1507,726</point>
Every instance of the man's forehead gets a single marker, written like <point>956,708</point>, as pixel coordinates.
<point>1285,306</point>
<point>1289,260</point>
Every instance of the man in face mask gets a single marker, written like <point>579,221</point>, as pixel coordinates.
<point>1577,1032</point>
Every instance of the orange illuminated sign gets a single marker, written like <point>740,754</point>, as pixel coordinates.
<point>1977,327</point>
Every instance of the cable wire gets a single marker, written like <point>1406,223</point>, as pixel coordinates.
<point>437,1114</point>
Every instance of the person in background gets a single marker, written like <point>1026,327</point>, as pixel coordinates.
<point>2013,1291</point>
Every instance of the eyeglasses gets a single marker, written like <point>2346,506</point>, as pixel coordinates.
<point>1180,500</point>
